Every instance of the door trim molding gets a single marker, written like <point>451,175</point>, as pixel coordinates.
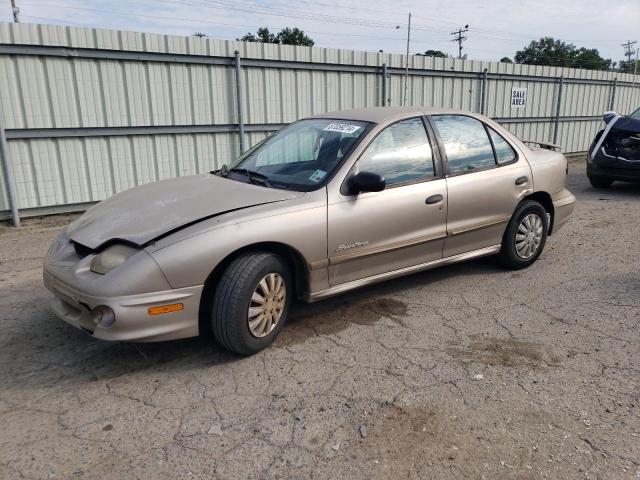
<point>385,248</point>
<point>319,264</point>
<point>344,287</point>
<point>478,226</point>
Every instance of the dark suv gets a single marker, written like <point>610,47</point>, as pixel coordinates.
<point>615,151</point>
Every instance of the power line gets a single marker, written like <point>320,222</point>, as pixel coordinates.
<point>196,20</point>
<point>288,13</point>
<point>250,7</point>
<point>199,21</point>
<point>460,38</point>
<point>229,5</point>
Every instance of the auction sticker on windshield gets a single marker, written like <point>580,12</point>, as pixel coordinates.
<point>342,128</point>
<point>317,176</point>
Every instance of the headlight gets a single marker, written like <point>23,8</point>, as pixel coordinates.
<point>111,257</point>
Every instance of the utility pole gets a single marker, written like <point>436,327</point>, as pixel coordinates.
<point>460,38</point>
<point>627,50</point>
<point>15,11</point>
<point>635,68</point>
<point>406,72</point>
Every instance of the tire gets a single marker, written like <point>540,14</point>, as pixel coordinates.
<point>234,297</point>
<point>600,182</point>
<point>509,255</point>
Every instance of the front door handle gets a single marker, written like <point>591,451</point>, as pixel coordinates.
<point>521,180</point>
<point>434,199</point>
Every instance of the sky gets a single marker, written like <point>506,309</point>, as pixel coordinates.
<point>497,28</point>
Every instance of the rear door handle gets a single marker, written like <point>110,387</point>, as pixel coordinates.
<point>521,180</point>
<point>434,199</point>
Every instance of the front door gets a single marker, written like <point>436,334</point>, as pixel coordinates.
<point>486,179</point>
<point>401,226</point>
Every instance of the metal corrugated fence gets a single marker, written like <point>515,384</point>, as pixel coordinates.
<point>91,112</point>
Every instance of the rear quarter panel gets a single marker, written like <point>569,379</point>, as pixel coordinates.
<point>549,170</point>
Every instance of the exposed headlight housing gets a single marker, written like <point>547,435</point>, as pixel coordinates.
<point>111,257</point>
<point>58,244</point>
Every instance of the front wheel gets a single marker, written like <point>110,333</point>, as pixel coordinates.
<point>525,236</point>
<point>251,302</point>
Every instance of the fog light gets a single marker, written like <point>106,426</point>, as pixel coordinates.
<point>103,316</point>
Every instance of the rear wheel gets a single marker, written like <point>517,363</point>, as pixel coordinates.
<point>525,236</point>
<point>600,182</point>
<point>251,302</point>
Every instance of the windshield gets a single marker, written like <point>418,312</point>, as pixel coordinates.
<point>301,156</point>
<point>636,114</point>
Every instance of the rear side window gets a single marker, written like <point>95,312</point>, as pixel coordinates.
<point>466,142</point>
<point>401,153</point>
<point>504,152</point>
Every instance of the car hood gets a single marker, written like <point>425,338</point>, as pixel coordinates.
<point>144,213</point>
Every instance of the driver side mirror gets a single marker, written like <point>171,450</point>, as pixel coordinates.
<point>363,182</point>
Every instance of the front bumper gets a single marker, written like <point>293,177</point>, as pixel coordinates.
<point>563,204</point>
<point>611,167</point>
<point>614,173</point>
<point>132,319</point>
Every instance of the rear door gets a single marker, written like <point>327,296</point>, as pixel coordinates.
<point>486,179</point>
<point>377,232</point>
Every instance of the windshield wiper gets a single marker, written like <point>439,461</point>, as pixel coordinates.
<point>222,171</point>
<point>254,177</point>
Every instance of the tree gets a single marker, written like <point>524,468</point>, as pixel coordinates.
<point>628,66</point>
<point>286,36</point>
<point>294,36</point>
<point>556,53</point>
<point>434,53</point>
<point>591,59</point>
<point>506,60</point>
<point>263,36</point>
<point>547,51</point>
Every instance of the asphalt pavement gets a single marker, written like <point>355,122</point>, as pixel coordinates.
<point>468,371</point>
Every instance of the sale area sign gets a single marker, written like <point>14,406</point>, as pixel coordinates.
<point>518,97</point>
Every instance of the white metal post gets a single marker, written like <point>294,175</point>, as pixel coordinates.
<point>8,179</point>
<point>635,68</point>
<point>239,100</point>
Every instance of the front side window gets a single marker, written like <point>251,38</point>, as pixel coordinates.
<point>401,153</point>
<point>636,115</point>
<point>504,152</point>
<point>300,156</point>
<point>466,142</point>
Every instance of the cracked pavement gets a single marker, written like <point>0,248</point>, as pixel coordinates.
<point>468,371</point>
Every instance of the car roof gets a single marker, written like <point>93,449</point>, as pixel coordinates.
<point>385,114</point>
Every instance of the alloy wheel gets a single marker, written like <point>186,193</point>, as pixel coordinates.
<point>267,305</point>
<point>529,236</point>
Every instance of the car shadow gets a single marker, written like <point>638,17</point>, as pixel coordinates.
<point>304,312</point>
<point>64,354</point>
<point>578,184</point>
